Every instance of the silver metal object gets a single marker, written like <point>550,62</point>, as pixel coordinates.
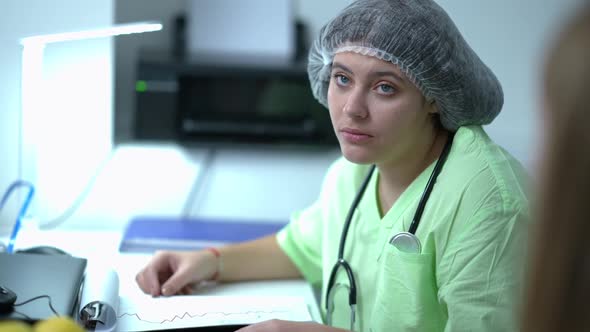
<point>406,242</point>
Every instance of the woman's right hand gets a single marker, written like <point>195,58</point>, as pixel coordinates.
<point>175,272</point>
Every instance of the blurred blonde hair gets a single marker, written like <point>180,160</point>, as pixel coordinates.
<point>558,287</point>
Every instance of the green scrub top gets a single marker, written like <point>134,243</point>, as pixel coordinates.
<point>473,234</point>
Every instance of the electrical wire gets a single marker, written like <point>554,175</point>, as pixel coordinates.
<point>198,183</point>
<point>37,298</point>
<point>23,209</point>
<point>69,212</point>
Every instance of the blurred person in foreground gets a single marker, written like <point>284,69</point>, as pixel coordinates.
<point>558,288</point>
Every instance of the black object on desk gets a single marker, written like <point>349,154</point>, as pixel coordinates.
<point>29,275</point>
<point>45,250</point>
<point>7,299</point>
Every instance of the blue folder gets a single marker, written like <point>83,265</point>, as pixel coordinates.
<point>147,234</point>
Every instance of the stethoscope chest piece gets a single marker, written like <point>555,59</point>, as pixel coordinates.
<point>406,242</point>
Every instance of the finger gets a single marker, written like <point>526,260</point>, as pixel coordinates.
<point>152,282</point>
<point>145,284</point>
<point>187,290</point>
<point>176,282</point>
<point>141,282</point>
<point>151,273</point>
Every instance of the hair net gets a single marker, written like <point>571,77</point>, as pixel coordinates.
<point>420,38</point>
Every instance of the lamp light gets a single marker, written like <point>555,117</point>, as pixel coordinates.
<point>66,110</point>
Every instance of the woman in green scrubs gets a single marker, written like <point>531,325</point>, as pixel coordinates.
<point>407,94</point>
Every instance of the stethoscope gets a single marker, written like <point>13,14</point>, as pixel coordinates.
<point>403,241</point>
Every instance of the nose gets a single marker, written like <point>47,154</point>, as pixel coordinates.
<point>356,105</point>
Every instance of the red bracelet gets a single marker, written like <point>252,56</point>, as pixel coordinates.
<point>217,255</point>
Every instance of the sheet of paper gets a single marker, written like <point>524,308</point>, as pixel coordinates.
<point>145,313</point>
<point>197,311</point>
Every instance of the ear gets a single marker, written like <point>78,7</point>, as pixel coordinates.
<point>431,107</point>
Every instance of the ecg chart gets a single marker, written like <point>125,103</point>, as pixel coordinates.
<point>194,311</point>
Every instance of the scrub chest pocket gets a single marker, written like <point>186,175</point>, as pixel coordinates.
<point>407,293</point>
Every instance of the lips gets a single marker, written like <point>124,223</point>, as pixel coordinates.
<point>354,135</point>
<point>353,131</point>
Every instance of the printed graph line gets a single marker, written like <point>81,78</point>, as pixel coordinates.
<point>188,315</point>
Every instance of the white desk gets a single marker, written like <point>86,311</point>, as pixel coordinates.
<point>169,180</point>
<point>101,247</point>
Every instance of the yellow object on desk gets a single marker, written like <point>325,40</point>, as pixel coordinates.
<point>54,324</point>
<point>14,326</point>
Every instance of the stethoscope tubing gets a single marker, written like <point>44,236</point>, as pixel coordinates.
<point>341,262</point>
<point>430,184</point>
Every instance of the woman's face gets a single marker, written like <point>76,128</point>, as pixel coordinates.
<point>378,114</point>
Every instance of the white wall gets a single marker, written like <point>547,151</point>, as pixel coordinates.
<point>21,18</point>
<point>511,37</point>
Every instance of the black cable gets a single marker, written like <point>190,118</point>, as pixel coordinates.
<point>37,298</point>
<point>353,206</point>
<point>430,184</point>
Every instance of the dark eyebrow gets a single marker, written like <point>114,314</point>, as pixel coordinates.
<point>389,73</point>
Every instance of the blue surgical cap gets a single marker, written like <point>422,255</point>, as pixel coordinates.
<point>421,39</point>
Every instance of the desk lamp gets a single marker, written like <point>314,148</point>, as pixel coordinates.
<point>66,109</point>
